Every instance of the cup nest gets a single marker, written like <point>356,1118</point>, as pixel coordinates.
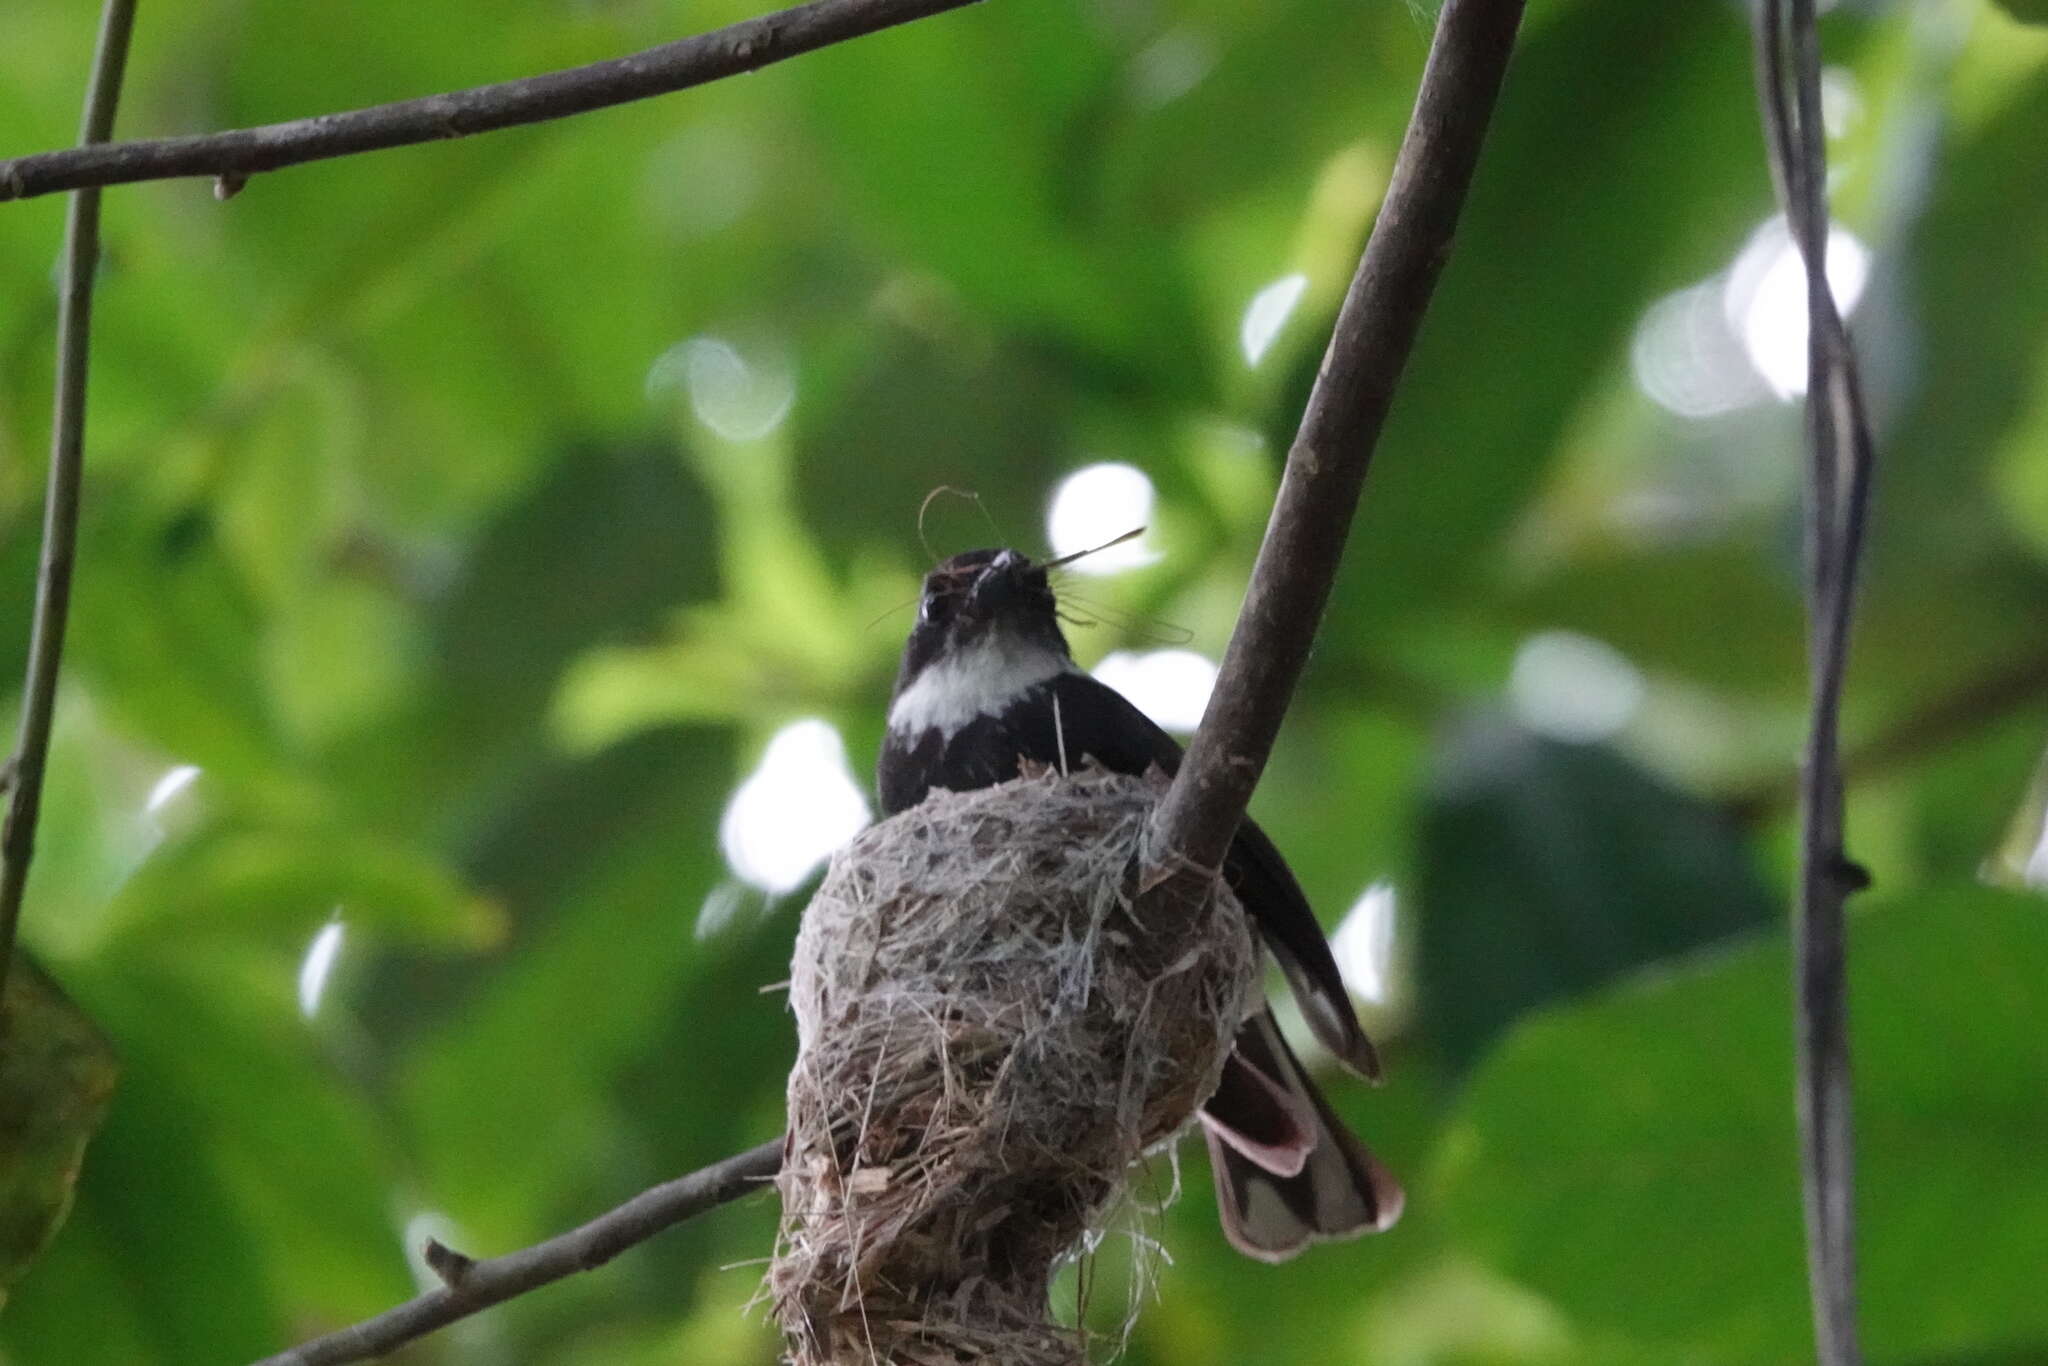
<point>990,1032</point>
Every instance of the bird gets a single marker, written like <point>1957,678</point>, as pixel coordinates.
<point>987,682</point>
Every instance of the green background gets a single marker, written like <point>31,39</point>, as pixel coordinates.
<point>401,529</point>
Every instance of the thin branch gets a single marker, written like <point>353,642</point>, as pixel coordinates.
<point>1327,464</point>
<point>746,46</point>
<point>1840,461</point>
<point>1963,713</point>
<point>60,498</point>
<point>469,1286</point>
<point>1976,704</point>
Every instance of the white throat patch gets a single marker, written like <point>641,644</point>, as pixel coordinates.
<point>979,681</point>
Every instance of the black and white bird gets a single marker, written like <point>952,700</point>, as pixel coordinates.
<point>987,680</point>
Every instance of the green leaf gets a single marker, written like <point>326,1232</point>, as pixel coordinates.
<point>1634,1157</point>
<point>156,1264</point>
<point>965,141</point>
<point>156,1240</point>
<point>1982,341</point>
<point>184,674</point>
<point>597,550</point>
<point>1557,254</point>
<point>237,877</point>
<point>57,1075</point>
<point>604,866</point>
<point>919,412</point>
<point>2026,11</point>
<point>1548,868</point>
<point>239,1180</point>
<point>1650,607</point>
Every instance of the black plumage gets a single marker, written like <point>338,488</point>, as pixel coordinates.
<point>987,681</point>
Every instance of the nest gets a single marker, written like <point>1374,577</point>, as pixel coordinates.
<point>989,1036</point>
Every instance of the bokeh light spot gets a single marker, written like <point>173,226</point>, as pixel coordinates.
<point>1096,504</point>
<point>1363,944</point>
<point>1687,359</point>
<point>167,789</point>
<point>1170,686</point>
<point>792,811</point>
<point>738,397</point>
<point>1267,313</point>
<point>1572,687</point>
<point>1170,66</point>
<point>318,965</point>
<point>1766,299</point>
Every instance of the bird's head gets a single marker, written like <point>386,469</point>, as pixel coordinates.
<point>987,613</point>
<point>982,599</point>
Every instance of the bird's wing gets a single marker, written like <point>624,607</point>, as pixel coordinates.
<point>1266,885</point>
<point>1094,719</point>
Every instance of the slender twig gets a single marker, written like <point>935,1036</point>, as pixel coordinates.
<point>1976,704</point>
<point>745,46</point>
<point>1841,456</point>
<point>60,498</point>
<point>1326,466</point>
<point>469,1286</point>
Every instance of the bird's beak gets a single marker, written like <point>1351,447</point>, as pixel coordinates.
<point>996,589</point>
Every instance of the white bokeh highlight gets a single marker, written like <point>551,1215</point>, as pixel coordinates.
<point>736,396</point>
<point>174,783</point>
<point>793,810</point>
<point>1766,299</point>
<point>2035,873</point>
<point>1687,358</point>
<point>1841,100</point>
<point>1739,338</point>
<point>172,804</point>
<point>1572,687</point>
<point>318,965</point>
<point>1363,944</point>
<point>721,909</point>
<point>1170,66</point>
<point>1267,314</point>
<point>1170,686</point>
<point>1097,504</point>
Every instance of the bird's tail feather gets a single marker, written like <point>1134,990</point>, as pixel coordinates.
<point>1275,1194</point>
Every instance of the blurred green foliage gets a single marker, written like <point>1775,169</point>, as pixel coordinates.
<point>56,1076</point>
<point>462,522</point>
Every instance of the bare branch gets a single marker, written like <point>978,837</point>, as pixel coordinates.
<point>1327,465</point>
<point>60,498</point>
<point>1978,703</point>
<point>469,1286</point>
<point>234,156</point>
<point>1840,459</point>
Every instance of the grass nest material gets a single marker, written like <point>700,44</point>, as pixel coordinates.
<point>989,1034</point>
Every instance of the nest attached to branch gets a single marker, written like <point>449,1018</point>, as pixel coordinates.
<point>988,1038</point>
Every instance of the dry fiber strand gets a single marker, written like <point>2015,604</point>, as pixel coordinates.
<point>988,1038</point>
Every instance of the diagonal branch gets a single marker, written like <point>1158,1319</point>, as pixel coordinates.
<point>470,1286</point>
<point>1326,467</point>
<point>1841,455</point>
<point>60,498</point>
<point>730,51</point>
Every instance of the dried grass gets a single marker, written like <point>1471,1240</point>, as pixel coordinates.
<point>988,1039</point>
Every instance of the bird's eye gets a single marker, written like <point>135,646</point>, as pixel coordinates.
<point>929,611</point>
